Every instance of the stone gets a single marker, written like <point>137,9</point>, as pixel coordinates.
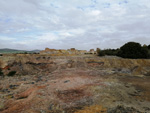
<point>69,65</point>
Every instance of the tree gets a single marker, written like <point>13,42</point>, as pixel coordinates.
<point>144,52</point>
<point>109,52</point>
<point>133,50</point>
<point>148,46</point>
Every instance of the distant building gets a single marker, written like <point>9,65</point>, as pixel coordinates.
<point>71,51</point>
<point>92,51</point>
<point>82,52</point>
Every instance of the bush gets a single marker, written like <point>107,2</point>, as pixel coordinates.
<point>111,52</point>
<point>101,53</point>
<point>133,50</point>
<point>11,73</point>
<point>1,73</point>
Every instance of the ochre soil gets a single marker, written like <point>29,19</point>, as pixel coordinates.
<point>78,88</point>
<point>72,91</point>
<point>141,84</point>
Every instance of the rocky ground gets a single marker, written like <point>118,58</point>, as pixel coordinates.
<point>74,84</point>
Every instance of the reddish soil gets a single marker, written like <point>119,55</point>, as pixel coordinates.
<point>75,85</point>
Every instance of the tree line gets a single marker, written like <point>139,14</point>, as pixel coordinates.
<point>132,50</point>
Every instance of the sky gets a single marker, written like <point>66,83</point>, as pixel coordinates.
<point>80,24</point>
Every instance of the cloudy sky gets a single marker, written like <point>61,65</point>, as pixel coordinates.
<point>82,24</point>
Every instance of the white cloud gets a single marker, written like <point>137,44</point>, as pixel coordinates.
<point>31,24</point>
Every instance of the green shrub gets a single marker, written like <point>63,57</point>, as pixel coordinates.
<point>1,73</point>
<point>11,73</point>
<point>101,53</point>
<point>111,52</point>
<point>25,53</point>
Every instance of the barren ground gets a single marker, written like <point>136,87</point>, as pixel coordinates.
<point>76,86</point>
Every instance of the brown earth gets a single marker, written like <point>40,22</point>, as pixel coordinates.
<point>74,84</point>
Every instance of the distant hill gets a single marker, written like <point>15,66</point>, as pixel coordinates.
<point>7,51</point>
<point>37,51</point>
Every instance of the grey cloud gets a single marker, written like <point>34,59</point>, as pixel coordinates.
<point>87,27</point>
<point>139,27</point>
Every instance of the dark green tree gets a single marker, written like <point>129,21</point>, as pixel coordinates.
<point>101,53</point>
<point>148,46</point>
<point>133,50</point>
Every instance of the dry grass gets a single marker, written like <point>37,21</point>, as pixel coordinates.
<point>93,109</point>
